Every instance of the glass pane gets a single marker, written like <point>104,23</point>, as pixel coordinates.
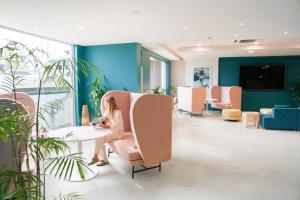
<point>55,50</point>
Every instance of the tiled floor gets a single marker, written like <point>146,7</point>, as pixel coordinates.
<point>212,159</point>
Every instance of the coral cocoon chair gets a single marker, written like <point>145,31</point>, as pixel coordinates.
<point>226,97</point>
<point>191,99</point>
<point>148,125</point>
<point>24,99</point>
<point>23,103</point>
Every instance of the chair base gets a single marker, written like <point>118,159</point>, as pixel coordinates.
<point>144,169</point>
<point>191,113</point>
<point>133,167</point>
<point>109,152</point>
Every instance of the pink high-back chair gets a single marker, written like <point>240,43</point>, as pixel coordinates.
<point>226,97</point>
<point>148,122</point>
<point>6,101</point>
<point>25,100</point>
<point>191,99</point>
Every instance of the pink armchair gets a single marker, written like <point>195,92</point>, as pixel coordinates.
<point>191,99</point>
<point>226,97</point>
<point>25,100</point>
<point>148,125</point>
<point>26,103</point>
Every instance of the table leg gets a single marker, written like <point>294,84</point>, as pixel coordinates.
<point>257,122</point>
<point>206,105</point>
<point>79,147</point>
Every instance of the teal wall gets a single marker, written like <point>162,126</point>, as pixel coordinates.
<point>121,65</point>
<point>80,82</point>
<point>256,99</point>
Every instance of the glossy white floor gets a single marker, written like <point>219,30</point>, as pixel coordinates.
<point>212,159</point>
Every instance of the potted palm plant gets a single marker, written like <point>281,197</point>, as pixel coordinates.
<point>97,91</point>
<point>15,126</point>
<point>158,90</point>
<point>295,89</point>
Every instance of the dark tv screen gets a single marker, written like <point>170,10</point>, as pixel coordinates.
<point>262,77</point>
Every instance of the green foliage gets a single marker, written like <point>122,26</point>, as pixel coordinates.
<point>50,109</point>
<point>174,91</point>
<point>296,92</point>
<point>97,91</point>
<point>158,90</point>
<point>25,184</point>
<point>63,166</point>
<point>15,125</point>
<point>71,196</point>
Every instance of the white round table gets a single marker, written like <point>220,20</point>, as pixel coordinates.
<point>79,134</point>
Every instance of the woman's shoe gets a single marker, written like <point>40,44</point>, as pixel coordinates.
<point>102,163</point>
<point>93,161</point>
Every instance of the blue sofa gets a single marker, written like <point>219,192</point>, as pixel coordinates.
<point>282,119</point>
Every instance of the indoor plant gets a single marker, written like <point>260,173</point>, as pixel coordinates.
<point>15,127</point>
<point>295,88</point>
<point>97,91</point>
<point>158,90</point>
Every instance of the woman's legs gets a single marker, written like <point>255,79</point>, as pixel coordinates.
<point>100,152</point>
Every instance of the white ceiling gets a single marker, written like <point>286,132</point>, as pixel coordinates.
<point>178,24</point>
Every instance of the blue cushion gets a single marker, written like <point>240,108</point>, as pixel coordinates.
<point>282,106</point>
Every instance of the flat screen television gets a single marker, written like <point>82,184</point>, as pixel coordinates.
<point>262,77</point>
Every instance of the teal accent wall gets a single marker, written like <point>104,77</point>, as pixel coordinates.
<point>255,99</point>
<point>121,65</point>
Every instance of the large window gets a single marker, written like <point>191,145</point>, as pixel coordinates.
<point>158,74</point>
<point>55,50</point>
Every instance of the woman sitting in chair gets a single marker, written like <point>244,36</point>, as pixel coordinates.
<point>114,122</point>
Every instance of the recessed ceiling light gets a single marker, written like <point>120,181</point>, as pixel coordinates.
<point>79,27</point>
<point>236,35</point>
<point>199,45</point>
<point>35,29</point>
<point>241,24</point>
<point>251,51</point>
<point>190,37</point>
<point>285,32</point>
<point>185,27</point>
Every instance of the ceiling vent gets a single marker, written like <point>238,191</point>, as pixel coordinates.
<point>247,41</point>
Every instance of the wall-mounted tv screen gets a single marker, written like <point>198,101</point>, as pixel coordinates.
<point>262,76</point>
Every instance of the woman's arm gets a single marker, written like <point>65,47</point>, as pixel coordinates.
<point>106,123</point>
<point>117,119</point>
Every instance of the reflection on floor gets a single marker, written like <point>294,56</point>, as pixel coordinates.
<point>212,159</point>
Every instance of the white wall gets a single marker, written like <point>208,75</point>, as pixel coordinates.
<point>178,73</point>
<point>155,73</point>
<point>182,71</point>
